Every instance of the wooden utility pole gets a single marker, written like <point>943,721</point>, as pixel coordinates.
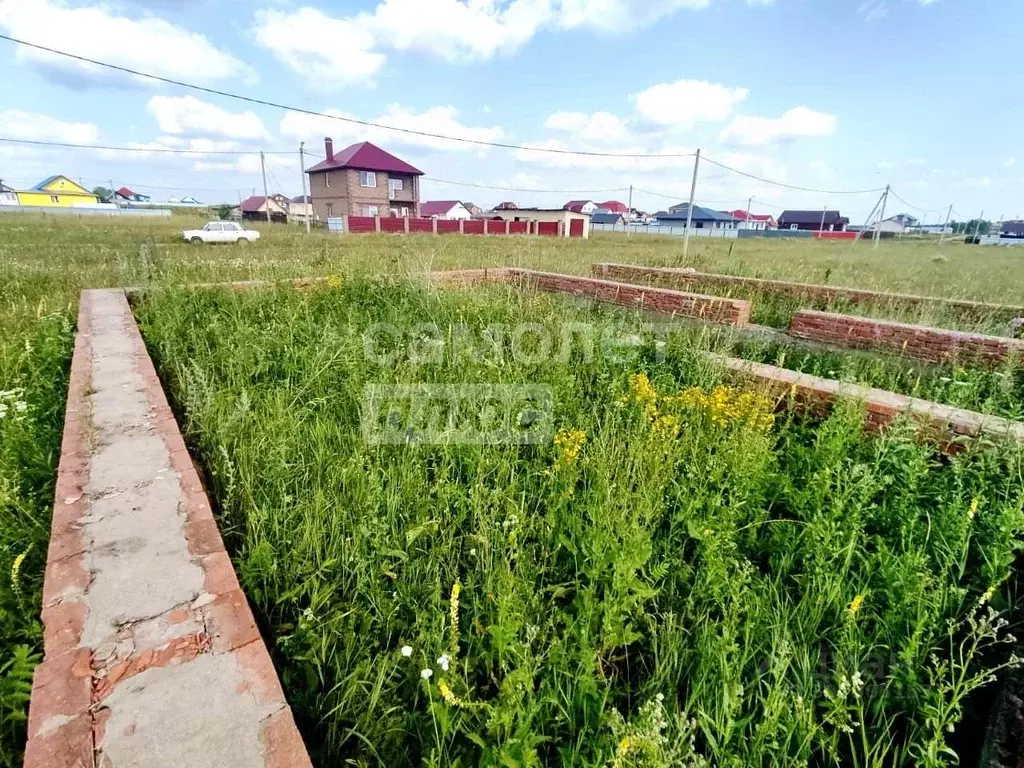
<point>689,209</point>
<point>821,227</point>
<point>881,216</point>
<point>629,210</point>
<point>302,169</point>
<point>266,197</point>
<point>749,203</point>
<point>949,214</point>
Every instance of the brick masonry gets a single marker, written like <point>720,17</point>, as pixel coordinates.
<point>920,342</point>
<point>946,425</point>
<point>151,653</point>
<point>664,301</point>
<point>683,278</point>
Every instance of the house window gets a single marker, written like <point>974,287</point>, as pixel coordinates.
<point>327,179</point>
<point>367,179</point>
<point>370,210</point>
<point>793,226</point>
<point>54,199</point>
<point>405,211</point>
<point>330,209</point>
<point>394,185</point>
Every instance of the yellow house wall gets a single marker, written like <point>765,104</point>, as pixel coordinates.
<point>64,199</point>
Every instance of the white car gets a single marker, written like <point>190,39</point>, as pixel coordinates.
<point>221,232</point>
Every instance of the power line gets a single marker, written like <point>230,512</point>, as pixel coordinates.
<point>300,110</point>
<point>792,186</point>
<point>522,189</point>
<point>167,150</point>
<point>915,207</point>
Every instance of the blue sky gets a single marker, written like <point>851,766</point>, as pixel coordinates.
<point>829,94</point>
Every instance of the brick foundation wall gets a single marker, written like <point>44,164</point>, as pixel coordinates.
<point>681,278</point>
<point>711,308</point>
<point>948,426</point>
<point>934,345</point>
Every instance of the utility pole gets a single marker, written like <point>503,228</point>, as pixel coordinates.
<point>881,216</point>
<point>266,197</point>
<point>629,210</point>
<point>689,209</point>
<point>949,214</point>
<point>302,169</point>
<point>749,203</point>
<point>821,227</point>
<point>977,227</point>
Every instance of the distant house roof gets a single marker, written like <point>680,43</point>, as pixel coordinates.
<point>302,199</point>
<point>699,214</point>
<point>506,206</point>
<point>125,192</point>
<point>437,207</point>
<point>5,188</point>
<point>812,217</point>
<point>614,206</point>
<point>741,215</point>
<point>605,218</point>
<point>576,206</point>
<point>364,156</point>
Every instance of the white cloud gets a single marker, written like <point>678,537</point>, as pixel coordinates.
<point>441,120</point>
<point>150,44</point>
<point>16,124</point>
<point>250,165</point>
<point>187,115</point>
<point>595,126</point>
<point>347,50</point>
<point>685,103</point>
<point>1010,162</point>
<point>796,123</point>
<point>873,10</point>
<point>324,49</point>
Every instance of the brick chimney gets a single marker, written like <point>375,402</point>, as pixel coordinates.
<point>329,148</point>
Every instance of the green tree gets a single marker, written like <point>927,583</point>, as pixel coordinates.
<point>105,195</point>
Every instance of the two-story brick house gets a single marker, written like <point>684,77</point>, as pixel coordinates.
<point>363,180</point>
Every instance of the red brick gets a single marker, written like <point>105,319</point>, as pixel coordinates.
<point>61,687</point>
<point>203,537</point>
<point>219,573</point>
<point>258,673</point>
<point>62,626</point>
<point>230,622</point>
<point>69,746</point>
<point>282,743</point>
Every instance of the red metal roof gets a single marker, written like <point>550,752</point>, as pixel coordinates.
<point>252,204</point>
<point>576,206</point>
<point>741,215</point>
<point>125,192</point>
<point>438,207</point>
<point>614,206</point>
<point>365,156</point>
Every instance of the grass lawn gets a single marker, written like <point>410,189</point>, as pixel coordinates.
<point>44,263</point>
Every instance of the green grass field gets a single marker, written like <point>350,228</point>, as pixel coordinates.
<point>605,591</point>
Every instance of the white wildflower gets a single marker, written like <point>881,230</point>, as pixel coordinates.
<point>407,651</point>
<point>442,661</point>
<point>427,673</point>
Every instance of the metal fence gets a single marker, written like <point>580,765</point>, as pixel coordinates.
<point>58,211</point>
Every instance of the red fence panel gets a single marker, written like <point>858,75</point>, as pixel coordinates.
<point>835,235</point>
<point>549,228</point>
<point>518,227</point>
<point>473,226</point>
<point>358,224</point>
<point>421,225</point>
<point>495,227</point>
<point>576,228</point>
<point>392,225</point>
<point>447,226</point>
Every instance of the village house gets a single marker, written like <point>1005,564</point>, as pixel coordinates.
<point>300,208</point>
<point>445,209</point>
<point>363,180</point>
<point>580,206</point>
<point>59,191</point>
<point>753,221</point>
<point>703,218</point>
<point>572,224</point>
<point>255,209</point>
<point>613,206</point>
<point>814,221</point>
<point>126,195</point>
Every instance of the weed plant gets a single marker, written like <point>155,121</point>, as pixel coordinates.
<point>687,574</point>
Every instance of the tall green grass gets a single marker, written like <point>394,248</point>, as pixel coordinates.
<point>677,580</point>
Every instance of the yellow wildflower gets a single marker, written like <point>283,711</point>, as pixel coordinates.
<point>987,596</point>
<point>569,443</point>
<point>334,281</point>
<point>453,615</point>
<point>855,605</point>
<point>449,697</point>
<point>666,427</point>
<point>16,573</point>
<point>641,391</point>
<point>974,508</point>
